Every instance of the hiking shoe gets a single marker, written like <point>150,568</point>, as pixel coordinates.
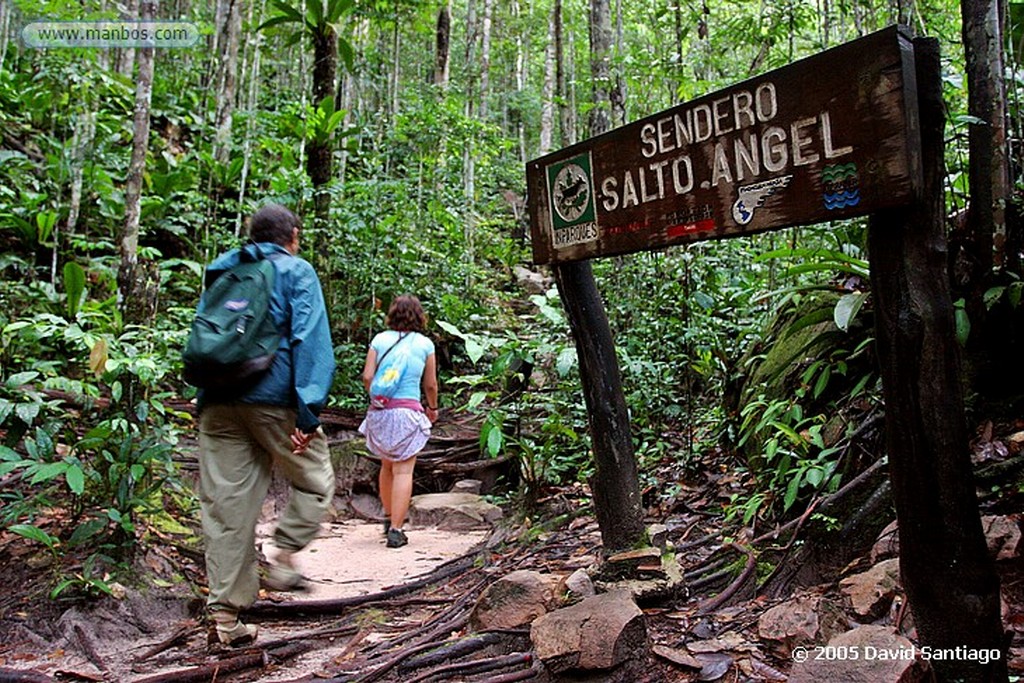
<point>231,631</point>
<point>239,634</point>
<point>396,538</point>
<point>284,578</point>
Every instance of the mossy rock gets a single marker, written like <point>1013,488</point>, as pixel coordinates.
<point>777,374</point>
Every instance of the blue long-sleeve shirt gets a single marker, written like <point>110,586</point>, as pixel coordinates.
<point>303,368</point>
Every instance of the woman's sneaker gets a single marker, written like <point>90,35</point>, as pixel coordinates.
<point>396,538</point>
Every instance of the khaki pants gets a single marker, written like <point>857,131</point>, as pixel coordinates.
<point>238,443</point>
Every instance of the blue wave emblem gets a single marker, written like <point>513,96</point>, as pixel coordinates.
<point>841,199</point>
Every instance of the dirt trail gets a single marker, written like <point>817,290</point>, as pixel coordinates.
<point>349,559</point>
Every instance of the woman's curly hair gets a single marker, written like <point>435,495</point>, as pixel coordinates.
<point>406,315</point>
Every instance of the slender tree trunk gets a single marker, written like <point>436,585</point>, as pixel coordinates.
<point>615,483</point>
<point>318,153</point>
<point>600,65</point>
<point>566,99</point>
<point>5,30</point>
<point>981,243</point>
<point>81,142</point>
<point>485,59</point>
<point>468,159</point>
<point>126,55</point>
<point>228,12</point>
<point>250,128</point>
<point>128,277</point>
<point>396,64</point>
<point>444,42</point>
<point>948,574</point>
<point>547,111</point>
<point>520,72</point>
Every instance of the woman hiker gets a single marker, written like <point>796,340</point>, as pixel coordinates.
<point>399,364</point>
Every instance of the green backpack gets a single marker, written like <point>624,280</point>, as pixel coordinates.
<point>234,338</point>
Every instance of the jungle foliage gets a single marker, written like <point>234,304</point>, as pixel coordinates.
<point>426,196</point>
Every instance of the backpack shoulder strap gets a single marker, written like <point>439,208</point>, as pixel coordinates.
<point>401,336</point>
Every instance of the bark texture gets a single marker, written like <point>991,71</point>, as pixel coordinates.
<point>948,575</point>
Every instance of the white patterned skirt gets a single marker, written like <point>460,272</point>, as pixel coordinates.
<point>395,433</point>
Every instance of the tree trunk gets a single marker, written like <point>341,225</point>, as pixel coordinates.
<point>485,58</point>
<point>250,129</point>
<point>129,279</point>
<point>228,12</point>
<point>600,65</point>
<point>980,244</point>
<point>547,111</point>
<point>566,101</point>
<point>396,64</point>
<point>126,55</point>
<point>81,142</point>
<point>318,154</point>
<point>5,29</point>
<point>948,575</point>
<point>615,483</point>
<point>444,42</point>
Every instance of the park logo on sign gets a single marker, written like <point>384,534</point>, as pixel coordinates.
<point>571,189</point>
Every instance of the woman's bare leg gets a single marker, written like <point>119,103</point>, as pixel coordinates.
<point>401,491</point>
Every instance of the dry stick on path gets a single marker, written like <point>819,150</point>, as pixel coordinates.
<point>460,648</point>
<point>476,666</point>
<point>179,637</point>
<point>513,677</point>
<point>249,660</point>
<point>89,647</point>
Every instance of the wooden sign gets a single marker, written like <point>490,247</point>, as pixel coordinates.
<point>832,136</point>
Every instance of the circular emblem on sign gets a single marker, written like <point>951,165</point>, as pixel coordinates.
<point>571,192</point>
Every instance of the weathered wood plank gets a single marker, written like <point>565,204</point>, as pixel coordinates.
<point>831,136</point>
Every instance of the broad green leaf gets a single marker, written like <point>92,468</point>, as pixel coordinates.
<point>27,412</point>
<point>34,533</point>
<point>21,378</point>
<point>74,287</point>
<point>76,479</point>
<point>474,349</point>
<point>847,308</point>
<point>792,490</point>
<point>49,471</point>
<point>450,329</point>
<point>814,476</point>
<point>494,441</point>
<point>566,360</point>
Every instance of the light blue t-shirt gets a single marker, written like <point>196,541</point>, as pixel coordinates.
<point>415,348</point>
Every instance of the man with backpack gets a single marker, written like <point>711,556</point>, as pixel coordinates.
<point>257,412</point>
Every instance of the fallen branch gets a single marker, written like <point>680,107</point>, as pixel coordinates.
<point>748,571</point>
<point>460,648</point>
<point>513,677</point>
<point>249,660</point>
<point>179,637</point>
<point>90,649</point>
<point>17,676</point>
<point>476,666</point>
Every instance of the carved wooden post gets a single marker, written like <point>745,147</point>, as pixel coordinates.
<point>948,575</point>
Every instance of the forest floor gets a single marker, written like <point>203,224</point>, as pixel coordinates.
<point>378,614</point>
